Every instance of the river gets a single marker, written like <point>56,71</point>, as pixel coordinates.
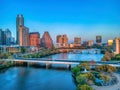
<point>71,56</point>
<point>31,78</point>
<point>22,78</point>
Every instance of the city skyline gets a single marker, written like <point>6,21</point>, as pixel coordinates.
<point>84,19</point>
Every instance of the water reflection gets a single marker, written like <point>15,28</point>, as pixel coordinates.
<point>23,78</point>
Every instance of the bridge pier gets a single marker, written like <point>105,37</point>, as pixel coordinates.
<point>48,65</point>
<point>69,66</point>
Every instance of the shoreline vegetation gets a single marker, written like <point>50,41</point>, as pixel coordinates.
<point>42,54</point>
<point>86,77</point>
<point>5,65</point>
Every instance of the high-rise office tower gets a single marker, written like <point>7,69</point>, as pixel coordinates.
<point>90,43</point>
<point>85,43</point>
<point>46,40</point>
<point>34,39</point>
<point>116,45</point>
<point>62,41</point>
<point>1,37</point>
<point>59,39</point>
<point>99,40</point>
<point>77,41</point>
<point>7,37</point>
<point>23,36</point>
<point>19,22</point>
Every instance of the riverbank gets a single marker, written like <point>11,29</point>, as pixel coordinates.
<point>93,79</point>
<point>6,65</point>
<point>112,87</point>
<point>42,54</point>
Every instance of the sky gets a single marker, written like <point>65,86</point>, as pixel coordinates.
<point>76,18</point>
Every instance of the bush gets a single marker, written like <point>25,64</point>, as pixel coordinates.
<point>80,80</point>
<point>84,66</point>
<point>75,70</point>
<point>106,68</point>
<point>84,87</point>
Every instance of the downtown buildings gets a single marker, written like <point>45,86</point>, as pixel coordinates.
<point>22,36</point>
<point>46,41</point>
<point>62,41</point>
<point>77,41</point>
<point>34,38</point>
<point>6,37</point>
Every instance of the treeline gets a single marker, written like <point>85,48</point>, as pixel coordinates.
<point>110,57</point>
<point>5,55</point>
<point>42,54</point>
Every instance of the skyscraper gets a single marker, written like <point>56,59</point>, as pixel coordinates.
<point>1,37</point>
<point>99,40</point>
<point>34,39</point>
<point>116,45</point>
<point>77,41</point>
<point>90,43</point>
<point>19,22</point>
<point>7,37</point>
<point>23,36</point>
<point>59,39</point>
<point>46,40</point>
<point>62,40</point>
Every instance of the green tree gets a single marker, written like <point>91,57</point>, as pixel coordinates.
<point>90,76</point>
<point>23,50</point>
<point>84,66</point>
<point>106,68</point>
<point>81,80</point>
<point>75,70</point>
<point>84,87</point>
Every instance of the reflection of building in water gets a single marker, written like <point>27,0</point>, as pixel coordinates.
<point>63,56</point>
<point>24,72</point>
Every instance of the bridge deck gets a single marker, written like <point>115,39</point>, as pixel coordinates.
<point>70,62</point>
<point>41,61</point>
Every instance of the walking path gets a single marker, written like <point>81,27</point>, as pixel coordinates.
<point>112,87</point>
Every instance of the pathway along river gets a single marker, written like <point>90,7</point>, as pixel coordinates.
<point>24,78</point>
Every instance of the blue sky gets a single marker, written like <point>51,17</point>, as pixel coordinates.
<point>81,18</point>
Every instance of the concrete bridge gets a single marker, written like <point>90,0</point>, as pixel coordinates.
<point>88,51</point>
<point>49,62</point>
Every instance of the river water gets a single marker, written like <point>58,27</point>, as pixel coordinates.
<point>30,78</point>
<point>79,57</point>
<point>23,78</point>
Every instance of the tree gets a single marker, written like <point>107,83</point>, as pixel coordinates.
<point>84,66</point>
<point>104,77</point>
<point>84,87</point>
<point>90,76</point>
<point>107,56</point>
<point>80,80</point>
<point>75,70</point>
<point>23,50</point>
<point>106,68</point>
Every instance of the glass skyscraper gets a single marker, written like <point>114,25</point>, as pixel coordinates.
<point>19,22</point>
